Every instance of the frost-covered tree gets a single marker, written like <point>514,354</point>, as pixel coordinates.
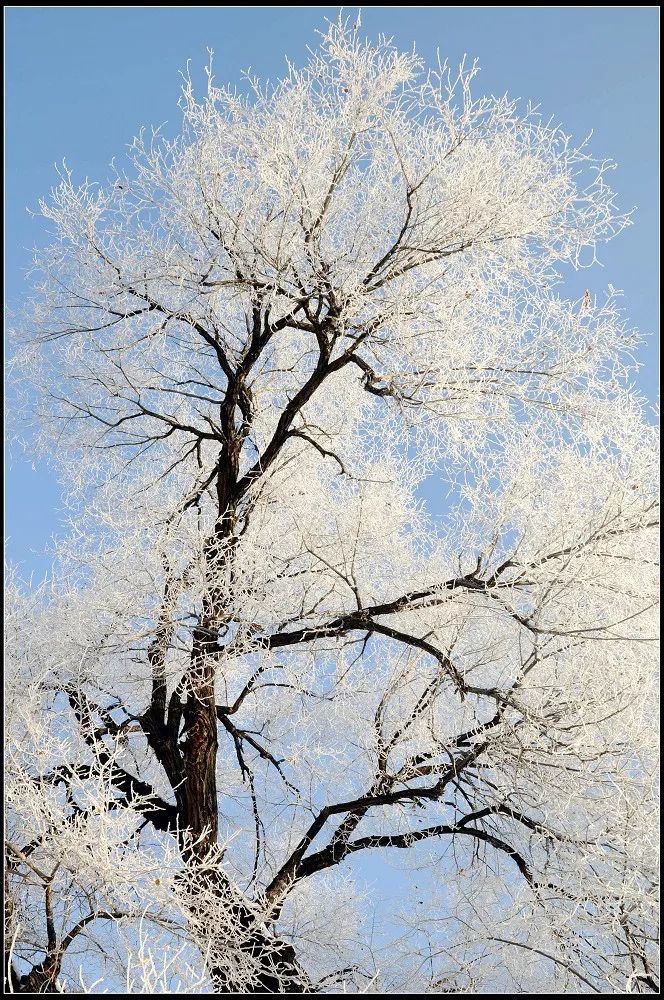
<point>361,568</point>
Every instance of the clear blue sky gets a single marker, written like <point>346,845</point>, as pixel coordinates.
<point>81,81</point>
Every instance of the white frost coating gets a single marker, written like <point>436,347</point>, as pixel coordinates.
<point>364,260</point>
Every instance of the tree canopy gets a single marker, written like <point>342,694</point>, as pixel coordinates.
<point>362,558</point>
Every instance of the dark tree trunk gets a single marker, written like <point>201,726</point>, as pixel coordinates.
<point>242,954</point>
<point>199,790</point>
